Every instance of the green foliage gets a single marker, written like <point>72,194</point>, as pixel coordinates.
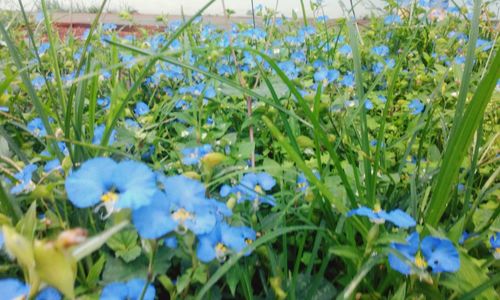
<point>414,129</point>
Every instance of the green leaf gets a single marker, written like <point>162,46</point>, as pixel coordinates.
<point>233,278</point>
<point>184,280</point>
<point>118,270</point>
<point>469,277</point>
<point>235,258</point>
<point>4,147</point>
<point>95,271</point>
<point>27,225</point>
<point>125,245</point>
<point>459,143</point>
<point>308,287</point>
<point>400,293</point>
<point>94,243</point>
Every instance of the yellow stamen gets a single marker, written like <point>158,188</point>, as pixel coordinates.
<point>420,262</point>
<point>181,215</point>
<point>377,208</point>
<point>109,196</point>
<point>220,248</point>
<point>258,189</point>
<point>248,241</point>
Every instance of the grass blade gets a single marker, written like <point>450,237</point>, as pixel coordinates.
<point>460,142</point>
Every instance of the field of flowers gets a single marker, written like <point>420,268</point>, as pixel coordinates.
<point>297,159</point>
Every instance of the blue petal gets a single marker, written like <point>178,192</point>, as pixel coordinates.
<point>236,237</point>
<point>408,250</point>
<point>171,242</point>
<point>114,291</point>
<point>48,293</point>
<point>400,219</point>
<point>205,251</point>
<point>184,191</point>
<point>363,211</point>
<point>440,254</point>
<point>495,240</point>
<point>154,220</point>
<point>135,287</point>
<point>225,190</point>
<point>86,185</point>
<point>203,221</point>
<point>249,181</point>
<point>266,181</point>
<point>136,184</point>
<point>12,288</point>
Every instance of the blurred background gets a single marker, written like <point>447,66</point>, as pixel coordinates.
<point>189,7</point>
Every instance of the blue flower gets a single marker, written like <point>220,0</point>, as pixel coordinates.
<point>104,102</point>
<point>348,80</point>
<point>252,187</point>
<point>141,108</point>
<point>127,184</point>
<point>392,19</point>
<point>225,70</point>
<point>416,107</point>
<point>381,50</point>
<point>38,82</point>
<point>48,293</point>
<point>483,45</point>
<point>37,128</point>
<point>303,183</point>
<point>12,288</point>
<point>98,134</point>
<point>436,254</point>
<point>223,240</point>
<point>495,244</point>
<point>154,220</point>
<point>298,57</point>
<point>131,290</point>
<point>24,180</point>
<point>345,50</point>
<point>190,209</point>
<point>130,123</point>
<point>289,68</point>
<point>171,242</point>
<point>377,215</point>
<point>368,105</point>
<point>192,156</point>
<point>109,27</point>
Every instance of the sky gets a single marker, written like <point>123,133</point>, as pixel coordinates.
<point>241,7</point>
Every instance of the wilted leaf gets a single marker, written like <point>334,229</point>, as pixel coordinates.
<point>55,267</point>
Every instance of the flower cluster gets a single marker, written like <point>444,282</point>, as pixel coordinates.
<point>252,187</point>
<point>163,206</point>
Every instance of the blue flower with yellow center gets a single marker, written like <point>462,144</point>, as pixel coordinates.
<point>223,240</point>
<point>433,254</point>
<point>379,216</point>
<point>192,156</point>
<point>253,187</point>
<point>181,207</point>
<point>127,184</point>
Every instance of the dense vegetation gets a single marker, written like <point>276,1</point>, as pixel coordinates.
<point>297,159</point>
